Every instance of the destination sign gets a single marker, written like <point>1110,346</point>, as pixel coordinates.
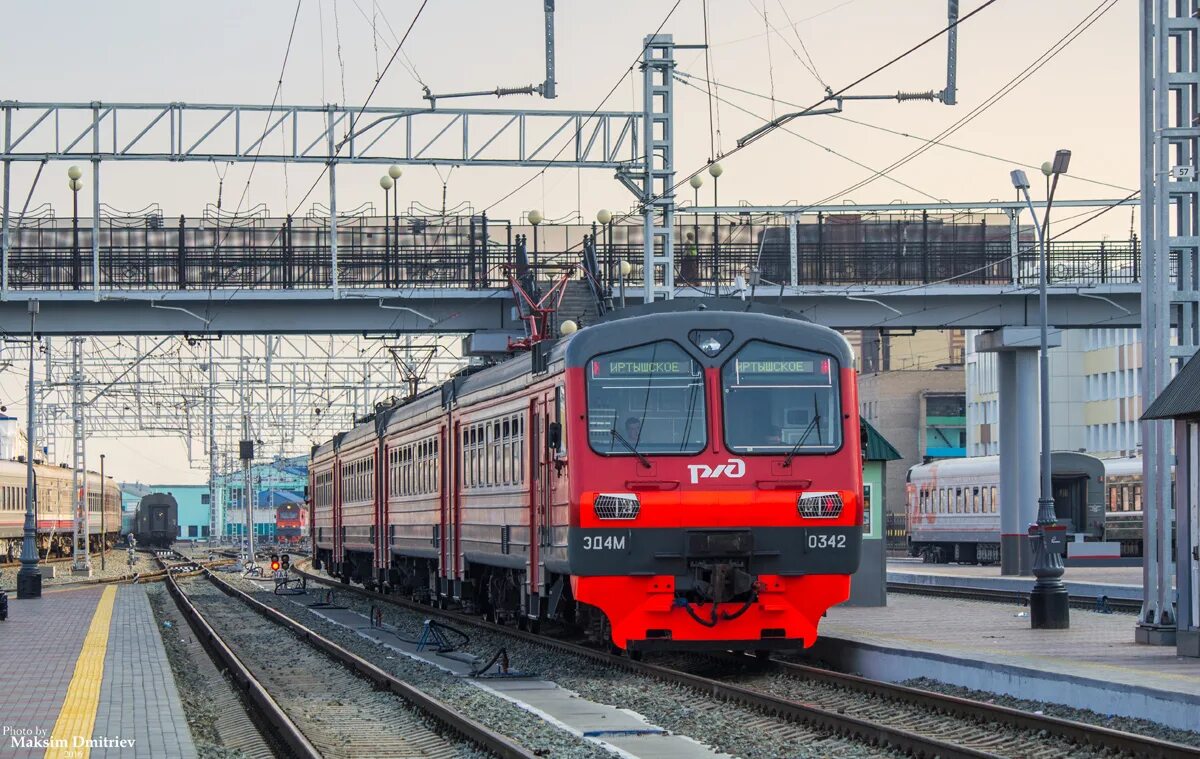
<point>775,367</point>
<point>634,368</point>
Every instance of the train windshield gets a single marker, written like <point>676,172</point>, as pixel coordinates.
<point>646,400</point>
<point>780,399</point>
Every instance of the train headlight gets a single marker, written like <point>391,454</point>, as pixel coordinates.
<point>617,506</point>
<point>820,505</point>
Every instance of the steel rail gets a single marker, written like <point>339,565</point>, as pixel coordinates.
<point>264,705</point>
<point>915,744</point>
<point>1000,595</point>
<point>457,722</point>
<point>837,724</point>
<point>1077,732</point>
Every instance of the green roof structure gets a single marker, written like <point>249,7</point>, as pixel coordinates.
<point>875,446</point>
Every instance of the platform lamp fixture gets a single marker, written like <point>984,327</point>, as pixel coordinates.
<point>605,217</point>
<point>535,218</point>
<point>715,171</point>
<point>394,173</point>
<point>29,576</point>
<point>1048,601</point>
<point>697,182</point>
<point>387,183</point>
<point>624,268</point>
<point>75,182</point>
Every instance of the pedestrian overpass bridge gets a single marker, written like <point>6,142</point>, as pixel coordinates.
<point>849,267</point>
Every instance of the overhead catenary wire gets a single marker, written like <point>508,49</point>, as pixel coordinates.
<point>1061,44</point>
<point>605,99</point>
<point>941,144</point>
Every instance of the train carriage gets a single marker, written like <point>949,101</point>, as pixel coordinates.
<point>673,477</point>
<point>953,507</point>
<point>55,509</point>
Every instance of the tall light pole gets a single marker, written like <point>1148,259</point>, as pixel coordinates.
<point>715,171</point>
<point>1048,602</point>
<point>29,576</point>
<point>387,183</point>
<point>691,252</point>
<point>103,533</point>
<point>76,184</point>
<point>604,216</point>
<point>394,173</point>
<point>535,217</point>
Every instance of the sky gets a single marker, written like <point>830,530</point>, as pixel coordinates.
<point>1084,98</point>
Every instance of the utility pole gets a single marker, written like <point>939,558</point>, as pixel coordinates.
<point>81,557</point>
<point>216,522</point>
<point>29,576</point>
<point>103,504</point>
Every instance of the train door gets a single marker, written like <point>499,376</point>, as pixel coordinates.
<point>382,549</point>
<point>1070,500</point>
<point>336,475</point>
<point>451,503</point>
<point>530,455</point>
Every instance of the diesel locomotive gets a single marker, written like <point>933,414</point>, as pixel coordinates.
<point>672,477</point>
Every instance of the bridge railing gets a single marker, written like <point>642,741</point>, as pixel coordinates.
<point>473,253</point>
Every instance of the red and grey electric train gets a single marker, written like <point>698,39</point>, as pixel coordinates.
<point>674,476</point>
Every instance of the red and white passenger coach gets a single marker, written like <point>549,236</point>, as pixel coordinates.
<point>673,476</point>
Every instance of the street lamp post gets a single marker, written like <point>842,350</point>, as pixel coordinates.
<point>715,172</point>
<point>76,184</point>
<point>103,532</point>
<point>394,173</point>
<point>386,183</point>
<point>691,251</point>
<point>29,576</point>
<point>1048,607</point>
<point>604,216</point>
<point>535,217</point>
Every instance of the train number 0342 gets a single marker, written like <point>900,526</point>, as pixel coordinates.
<point>826,541</point>
<point>604,542</point>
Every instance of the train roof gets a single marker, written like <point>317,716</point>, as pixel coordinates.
<point>658,321</point>
<point>1131,465</point>
<point>978,466</point>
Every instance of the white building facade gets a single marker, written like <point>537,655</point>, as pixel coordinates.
<point>1095,396</point>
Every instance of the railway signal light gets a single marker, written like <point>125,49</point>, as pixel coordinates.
<point>286,561</point>
<point>275,562</point>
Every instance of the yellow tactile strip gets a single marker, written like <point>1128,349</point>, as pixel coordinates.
<point>78,715</point>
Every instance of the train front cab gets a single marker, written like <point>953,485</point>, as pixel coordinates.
<point>715,479</point>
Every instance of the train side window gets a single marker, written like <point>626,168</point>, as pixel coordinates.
<point>519,450</point>
<point>958,500</point>
<point>560,416</point>
<point>1136,501</point>
<point>995,505</point>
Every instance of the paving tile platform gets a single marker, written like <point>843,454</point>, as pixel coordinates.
<point>88,664</point>
<point>1114,582</point>
<point>1095,664</point>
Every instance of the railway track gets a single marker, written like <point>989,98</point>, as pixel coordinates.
<point>913,721</point>
<point>317,698</point>
<point>1093,603</point>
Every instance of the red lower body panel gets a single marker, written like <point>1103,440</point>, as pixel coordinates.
<point>788,608</point>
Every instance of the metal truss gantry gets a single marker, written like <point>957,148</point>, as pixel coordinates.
<point>635,145</point>
<point>293,391</point>
<point>1170,144</point>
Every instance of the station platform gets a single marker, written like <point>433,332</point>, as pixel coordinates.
<point>85,674</point>
<point>1114,582</point>
<point>989,646</point>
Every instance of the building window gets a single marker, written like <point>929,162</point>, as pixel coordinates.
<point>193,531</point>
<point>204,499</point>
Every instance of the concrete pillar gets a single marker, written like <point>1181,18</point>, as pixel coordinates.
<point>1020,442</point>
<point>1028,449</point>
<point>1010,529</point>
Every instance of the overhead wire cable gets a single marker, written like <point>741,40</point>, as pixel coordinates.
<point>770,64</point>
<point>771,29</point>
<point>546,165</point>
<point>679,74</point>
<point>338,146</point>
<point>796,31</point>
<point>1061,44</point>
<point>712,132</point>
<point>814,143</point>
